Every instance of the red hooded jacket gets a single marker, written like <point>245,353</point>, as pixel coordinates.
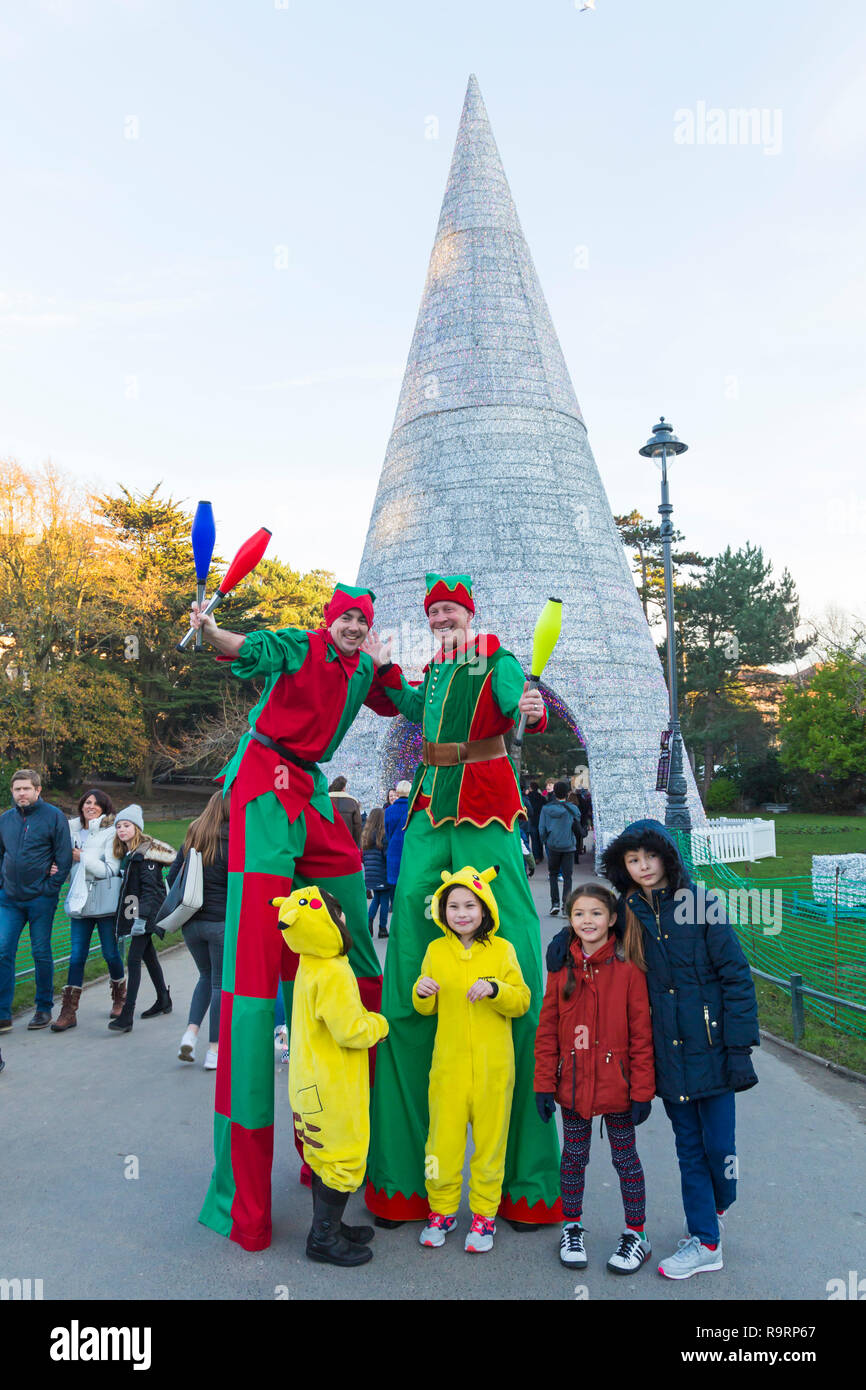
<point>594,1051</point>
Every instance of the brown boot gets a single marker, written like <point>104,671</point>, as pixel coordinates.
<point>68,1009</point>
<point>118,997</point>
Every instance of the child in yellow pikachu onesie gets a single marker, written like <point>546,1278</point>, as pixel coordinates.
<point>472,981</point>
<point>329,1074</point>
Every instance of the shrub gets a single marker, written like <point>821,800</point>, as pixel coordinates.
<point>723,794</point>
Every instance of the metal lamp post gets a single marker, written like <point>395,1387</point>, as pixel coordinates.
<point>662,445</point>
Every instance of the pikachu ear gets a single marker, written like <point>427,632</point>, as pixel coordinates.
<point>490,874</point>
<point>445,875</point>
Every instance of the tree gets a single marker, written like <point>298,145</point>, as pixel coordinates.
<point>735,615</point>
<point>823,730</point>
<point>643,536</point>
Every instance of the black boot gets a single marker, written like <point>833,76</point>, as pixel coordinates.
<point>161,1006</point>
<point>123,1022</point>
<point>358,1235</point>
<point>386,1224</point>
<point>325,1243</point>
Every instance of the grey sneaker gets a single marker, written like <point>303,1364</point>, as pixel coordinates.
<point>691,1258</point>
<point>572,1250</point>
<point>721,1217</point>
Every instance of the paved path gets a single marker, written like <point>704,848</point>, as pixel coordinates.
<point>75,1106</point>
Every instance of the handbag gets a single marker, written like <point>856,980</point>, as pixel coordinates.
<point>186,895</point>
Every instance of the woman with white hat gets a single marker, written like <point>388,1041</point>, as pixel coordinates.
<point>142,893</point>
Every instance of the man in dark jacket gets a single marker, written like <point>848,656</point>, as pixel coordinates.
<point>705,1024</point>
<point>534,806</point>
<point>35,857</point>
<point>559,827</point>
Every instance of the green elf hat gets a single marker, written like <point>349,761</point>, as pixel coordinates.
<point>477,883</point>
<point>449,588</point>
<point>344,597</point>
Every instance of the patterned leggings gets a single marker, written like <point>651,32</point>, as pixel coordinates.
<point>575,1156</point>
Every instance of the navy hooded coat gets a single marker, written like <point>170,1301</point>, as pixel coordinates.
<point>700,987</point>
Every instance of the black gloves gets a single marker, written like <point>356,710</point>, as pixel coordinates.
<point>546,1105</point>
<point>741,1073</point>
<point>640,1110</point>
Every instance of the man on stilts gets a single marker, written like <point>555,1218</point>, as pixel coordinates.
<point>463,809</point>
<point>283,834</point>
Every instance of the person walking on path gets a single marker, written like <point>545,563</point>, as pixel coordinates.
<point>594,1056</point>
<point>35,857</point>
<point>704,1020</point>
<point>395,832</point>
<point>92,833</point>
<point>348,808</point>
<point>558,824</point>
<point>534,806</point>
<point>204,932</point>
<point>373,853</point>
<point>142,893</point>
<point>463,809</point>
<point>284,832</point>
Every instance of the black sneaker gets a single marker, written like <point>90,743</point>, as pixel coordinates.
<point>5,1025</point>
<point>554,912</point>
<point>40,1019</point>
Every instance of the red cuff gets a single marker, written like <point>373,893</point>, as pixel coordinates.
<point>540,727</point>
<point>391,678</point>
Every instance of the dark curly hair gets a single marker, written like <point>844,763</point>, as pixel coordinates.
<point>613,858</point>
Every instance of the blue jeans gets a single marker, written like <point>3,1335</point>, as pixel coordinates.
<point>80,933</point>
<point>204,941</point>
<point>381,903</point>
<point>704,1134</point>
<point>14,916</point>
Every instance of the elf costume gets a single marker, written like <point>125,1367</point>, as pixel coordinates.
<point>472,1074</point>
<point>282,833</point>
<point>463,809</point>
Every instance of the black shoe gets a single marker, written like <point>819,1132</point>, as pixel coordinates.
<point>2,1063</point>
<point>521,1227</point>
<point>121,1024</point>
<point>326,1243</point>
<point>40,1019</point>
<point>358,1235</point>
<point>5,1025</point>
<point>385,1225</point>
<point>554,912</point>
<point>162,1005</point>
<point>383,934</point>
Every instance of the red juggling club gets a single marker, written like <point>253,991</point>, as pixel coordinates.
<point>244,563</point>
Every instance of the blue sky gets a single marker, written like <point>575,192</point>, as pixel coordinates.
<point>217,220</point>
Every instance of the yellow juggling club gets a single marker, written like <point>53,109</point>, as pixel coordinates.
<point>544,639</point>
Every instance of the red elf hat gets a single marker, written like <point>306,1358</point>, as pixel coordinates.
<point>449,588</point>
<point>345,597</point>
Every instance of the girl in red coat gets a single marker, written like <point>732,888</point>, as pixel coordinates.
<point>594,1055</point>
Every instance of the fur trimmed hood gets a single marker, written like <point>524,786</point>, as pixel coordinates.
<point>644,834</point>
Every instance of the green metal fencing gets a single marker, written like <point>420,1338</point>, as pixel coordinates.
<point>784,932</point>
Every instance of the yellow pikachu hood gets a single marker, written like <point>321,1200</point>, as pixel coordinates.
<point>307,926</point>
<point>477,883</point>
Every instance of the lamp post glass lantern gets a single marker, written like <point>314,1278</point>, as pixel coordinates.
<point>662,445</point>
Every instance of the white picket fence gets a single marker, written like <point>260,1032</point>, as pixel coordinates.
<point>734,840</point>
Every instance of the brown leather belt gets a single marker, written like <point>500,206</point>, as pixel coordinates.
<point>479,750</point>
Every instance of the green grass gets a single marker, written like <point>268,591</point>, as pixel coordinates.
<point>774,1014</point>
<point>798,837</point>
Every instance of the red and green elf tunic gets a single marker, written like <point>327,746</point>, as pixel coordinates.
<point>457,816</point>
<point>283,834</point>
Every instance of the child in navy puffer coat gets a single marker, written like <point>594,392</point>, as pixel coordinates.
<point>705,1024</point>
<point>374,844</point>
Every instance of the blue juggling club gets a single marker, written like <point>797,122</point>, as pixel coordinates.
<point>203,541</point>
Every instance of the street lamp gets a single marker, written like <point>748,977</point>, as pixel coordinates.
<point>662,445</point>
